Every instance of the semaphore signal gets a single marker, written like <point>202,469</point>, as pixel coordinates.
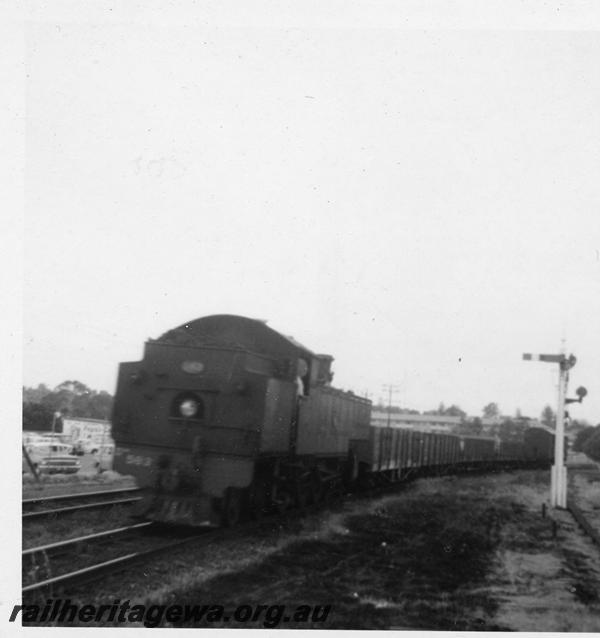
<point>558,481</point>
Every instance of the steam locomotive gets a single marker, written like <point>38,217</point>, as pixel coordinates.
<point>224,418</point>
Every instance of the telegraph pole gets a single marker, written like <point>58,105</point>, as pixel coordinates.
<point>390,389</point>
<point>558,478</point>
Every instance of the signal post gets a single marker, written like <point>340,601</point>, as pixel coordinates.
<point>558,478</point>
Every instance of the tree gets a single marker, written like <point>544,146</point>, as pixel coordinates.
<point>548,417</point>
<point>509,430</point>
<point>59,401</point>
<point>472,427</point>
<point>491,411</point>
<point>454,410</point>
<point>100,405</point>
<point>592,445</point>
<point>75,399</point>
<point>583,436</point>
<point>73,387</point>
<point>37,417</point>
<point>574,426</point>
<point>35,395</point>
<point>442,410</point>
<point>70,397</point>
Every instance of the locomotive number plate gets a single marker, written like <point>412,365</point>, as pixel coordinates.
<point>192,367</point>
<point>135,459</point>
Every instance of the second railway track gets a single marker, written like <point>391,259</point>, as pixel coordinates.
<point>74,561</point>
<point>47,506</point>
<point>63,565</point>
<point>582,502</point>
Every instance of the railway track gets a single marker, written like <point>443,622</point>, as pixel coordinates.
<point>580,505</point>
<point>42,507</point>
<point>56,566</point>
<point>54,555</point>
<point>65,563</point>
<point>583,522</point>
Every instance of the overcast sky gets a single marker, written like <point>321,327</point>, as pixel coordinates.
<point>422,203</point>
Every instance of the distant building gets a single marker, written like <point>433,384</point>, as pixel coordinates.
<point>87,430</point>
<point>441,422</point>
<point>423,422</point>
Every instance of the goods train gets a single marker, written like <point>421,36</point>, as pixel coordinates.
<point>224,417</point>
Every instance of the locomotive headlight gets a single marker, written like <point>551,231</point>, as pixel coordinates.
<point>188,408</point>
<point>186,405</point>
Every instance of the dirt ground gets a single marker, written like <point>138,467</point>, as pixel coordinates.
<point>553,585</point>
<point>448,553</point>
<point>469,553</point>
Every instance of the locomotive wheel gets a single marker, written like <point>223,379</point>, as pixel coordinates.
<point>258,501</point>
<point>351,469</point>
<point>284,502</point>
<point>303,496</point>
<point>317,491</point>
<point>336,494</point>
<point>232,507</point>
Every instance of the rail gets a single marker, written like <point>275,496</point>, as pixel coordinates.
<point>579,516</point>
<point>28,516</point>
<point>96,571</point>
<point>52,548</point>
<point>64,497</point>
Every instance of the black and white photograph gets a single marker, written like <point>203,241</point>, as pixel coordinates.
<point>306,317</point>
